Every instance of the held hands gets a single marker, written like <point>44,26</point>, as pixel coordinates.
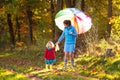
<point>57,46</point>
<point>56,43</point>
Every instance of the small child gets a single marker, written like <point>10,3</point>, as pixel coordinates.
<point>49,55</point>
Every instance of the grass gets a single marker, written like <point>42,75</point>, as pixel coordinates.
<point>25,63</point>
<point>64,76</point>
<point>14,65</point>
<point>10,75</point>
<point>104,68</point>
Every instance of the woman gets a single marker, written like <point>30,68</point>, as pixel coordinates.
<point>70,35</point>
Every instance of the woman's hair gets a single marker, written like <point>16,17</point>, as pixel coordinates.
<point>67,22</point>
<point>50,43</point>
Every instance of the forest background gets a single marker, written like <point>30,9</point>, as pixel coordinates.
<point>27,25</point>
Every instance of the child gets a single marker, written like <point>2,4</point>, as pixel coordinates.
<point>49,55</point>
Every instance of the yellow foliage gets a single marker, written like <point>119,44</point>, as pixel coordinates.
<point>50,30</point>
<point>112,20</point>
<point>1,10</point>
<point>19,43</point>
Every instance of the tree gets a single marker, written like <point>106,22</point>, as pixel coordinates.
<point>82,5</point>
<point>59,5</point>
<point>29,21</point>
<point>12,37</point>
<point>73,3</point>
<point>52,16</point>
<point>18,28</point>
<point>70,3</point>
<point>13,8</point>
<point>109,16</point>
<point>54,10</point>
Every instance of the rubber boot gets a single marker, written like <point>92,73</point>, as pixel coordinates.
<point>51,67</point>
<point>65,64</point>
<point>46,66</point>
<point>72,64</point>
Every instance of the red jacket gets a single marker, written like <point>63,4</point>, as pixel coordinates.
<point>49,54</point>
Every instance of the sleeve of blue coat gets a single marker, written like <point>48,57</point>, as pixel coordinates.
<point>75,32</point>
<point>61,37</point>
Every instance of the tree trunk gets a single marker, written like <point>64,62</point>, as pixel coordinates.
<point>12,37</point>
<point>58,8</point>
<point>59,5</point>
<point>82,5</point>
<point>73,3</point>
<point>52,16</point>
<point>29,21</point>
<point>68,3</point>
<point>18,29</point>
<point>109,16</point>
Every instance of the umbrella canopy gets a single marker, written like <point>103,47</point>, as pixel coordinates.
<point>79,20</point>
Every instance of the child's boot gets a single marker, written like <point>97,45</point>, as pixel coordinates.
<point>46,66</point>
<point>51,67</point>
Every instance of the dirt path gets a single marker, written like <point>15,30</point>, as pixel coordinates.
<point>84,77</point>
<point>33,76</point>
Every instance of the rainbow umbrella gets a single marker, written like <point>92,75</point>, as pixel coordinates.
<point>80,20</point>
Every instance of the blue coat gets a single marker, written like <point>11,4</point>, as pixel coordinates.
<point>70,34</point>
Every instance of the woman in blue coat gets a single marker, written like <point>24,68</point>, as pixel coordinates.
<point>70,34</point>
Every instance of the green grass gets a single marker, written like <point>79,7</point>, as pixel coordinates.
<point>64,77</point>
<point>14,65</point>
<point>10,75</point>
<point>104,68</point>
<point>88,67</point>
<point>114,66</point>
